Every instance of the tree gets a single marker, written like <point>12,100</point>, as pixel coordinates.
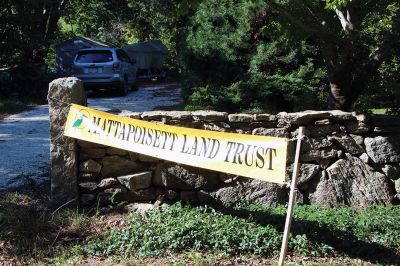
<point>27,29</point>
<point>235,56</point>
<point>352,55</point>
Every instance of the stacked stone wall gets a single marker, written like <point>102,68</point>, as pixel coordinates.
<point>347,159</point>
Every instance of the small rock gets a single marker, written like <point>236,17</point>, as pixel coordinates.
<point>136,181</point>
<point>305,117</point>
<point>178,115</point>
<point>153,115</point>
<point>397,186</point>
<point>88,186</point>
<point>116,189</point>
<point>210,116</point>
<point>391,171</point>
<point>241,118</point>
<point>273,132</point>
<point>90,166</point>
<point>214,127</point>
<point>107,182</point>
<point>139,208</point>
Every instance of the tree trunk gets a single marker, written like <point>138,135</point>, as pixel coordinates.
<point>344,84</point>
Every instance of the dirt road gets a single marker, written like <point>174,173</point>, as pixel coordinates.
<point>24,137</point>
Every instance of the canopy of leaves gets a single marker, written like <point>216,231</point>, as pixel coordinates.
<point>236,56</point>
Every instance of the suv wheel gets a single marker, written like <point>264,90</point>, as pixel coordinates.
<point>123,90</point>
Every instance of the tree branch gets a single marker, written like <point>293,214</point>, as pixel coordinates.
<point>315,29</point>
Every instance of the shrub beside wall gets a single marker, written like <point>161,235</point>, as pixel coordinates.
<point>347,159</point>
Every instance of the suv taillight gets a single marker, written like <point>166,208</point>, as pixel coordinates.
<point>116,67</point>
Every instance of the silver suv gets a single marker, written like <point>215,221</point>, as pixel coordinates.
<point>105,68</point>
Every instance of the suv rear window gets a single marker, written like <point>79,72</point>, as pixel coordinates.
<point>94,56</point>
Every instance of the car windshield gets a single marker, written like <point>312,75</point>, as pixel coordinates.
<point>97,56</point>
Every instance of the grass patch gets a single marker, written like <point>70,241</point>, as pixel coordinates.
<point>370,234</point>
<point>195,235</point>
<point>30,233</point>
<point>381,111</point>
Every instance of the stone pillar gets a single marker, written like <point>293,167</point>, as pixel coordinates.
<point>63,150</point>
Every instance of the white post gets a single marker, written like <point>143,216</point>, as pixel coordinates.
<point>292,198</point>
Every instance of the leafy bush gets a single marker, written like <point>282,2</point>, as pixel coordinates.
<point>178,228</point>
<point>235,56</point>
<point>25,82</point>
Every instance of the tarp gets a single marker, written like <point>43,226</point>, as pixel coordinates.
<point>150,54</point>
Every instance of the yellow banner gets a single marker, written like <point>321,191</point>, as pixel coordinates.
<point>258,157</point>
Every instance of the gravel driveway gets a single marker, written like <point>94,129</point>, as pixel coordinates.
<point>24,137</point>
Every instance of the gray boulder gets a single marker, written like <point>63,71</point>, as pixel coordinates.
<point>351,182</point>
<point>383,150</point>
<point>255,191</point>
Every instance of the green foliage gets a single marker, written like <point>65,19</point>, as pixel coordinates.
<point>316,231</point>
<point>27,29</point>
<point>341,228</point>
<point>25,82</point>
<point>235,57</point>
<point>178,228</point>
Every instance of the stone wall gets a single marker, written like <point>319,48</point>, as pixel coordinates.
<point>347,159</point>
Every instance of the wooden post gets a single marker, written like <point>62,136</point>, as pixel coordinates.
<point>292,198</point>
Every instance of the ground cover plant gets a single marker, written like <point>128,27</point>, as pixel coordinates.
<point>370,234</point>
<point>179,234</point>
